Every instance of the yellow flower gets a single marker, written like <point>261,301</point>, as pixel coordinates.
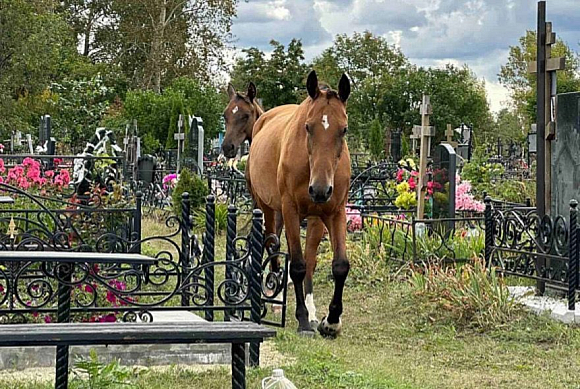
<point>403,187</point>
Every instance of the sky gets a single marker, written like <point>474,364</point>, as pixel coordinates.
<point>429,32</point>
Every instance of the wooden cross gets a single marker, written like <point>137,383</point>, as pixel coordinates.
<point>449,134</point>
<point>545,69</point>
<point>415,135</point>
<point>427,132</point>
<point>179,136</point>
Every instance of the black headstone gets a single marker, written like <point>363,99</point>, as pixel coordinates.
<point>396,145</point>
<point>146,169</point>
<point>444,169</point>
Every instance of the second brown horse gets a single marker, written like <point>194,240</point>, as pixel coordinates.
<point>299,165</point>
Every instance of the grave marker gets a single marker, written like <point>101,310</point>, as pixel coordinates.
<point>545,68</point>
<point>179,136</point>
<point>444,170</point>
<point>427,132</point>
<point>196,139</point>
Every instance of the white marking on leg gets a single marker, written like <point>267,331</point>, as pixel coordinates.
<point>330,329</point>
<point>311,307</point>
<point>235,110</point>
<point>325,122</point>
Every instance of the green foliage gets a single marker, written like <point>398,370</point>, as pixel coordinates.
<point>470,295</point>
<point>487,177</point>
<point>79,106</point>
<point>388,87</point>
<point>221,217</point>
<point>194,185</point>
<point>377,140</point>
<point>522,85</point>
<point>280,79</point>
<point>157,114</point>
<point>92,374</point>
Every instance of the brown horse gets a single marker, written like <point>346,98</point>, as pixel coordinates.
<point>240,116</point>
<point>300,165</point>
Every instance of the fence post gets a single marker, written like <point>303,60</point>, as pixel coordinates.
<point>185,242</point>
<point>209,253</point>
<point>573,256</point>
<point>488,230</point>
<point>63,274</point>
<point>257,248</point>
<point>137,222</point>
<point>230,249</point>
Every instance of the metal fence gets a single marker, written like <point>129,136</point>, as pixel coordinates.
<point>186,276</point>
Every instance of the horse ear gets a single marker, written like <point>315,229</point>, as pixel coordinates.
<point>251,91</point>
<point>344,88</point>
<point>231,91</point>
<point>312,85</point>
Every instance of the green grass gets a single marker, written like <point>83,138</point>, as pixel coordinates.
<point>391,339</point>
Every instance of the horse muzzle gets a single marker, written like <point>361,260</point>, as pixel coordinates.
<point>229,150</point>
<point>320,194</point>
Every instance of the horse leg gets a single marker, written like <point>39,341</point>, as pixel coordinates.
<point>331,325</point>
<point>314,234</point>
<point>297,264</point>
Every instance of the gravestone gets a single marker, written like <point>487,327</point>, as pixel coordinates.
<point>444,170</point>
<point>146,169</point>
<point>388,142</point>
<point>194,152</point>
<point>396,145</point>
<point>566,154</point>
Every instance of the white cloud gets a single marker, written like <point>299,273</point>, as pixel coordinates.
<point>430,32</point>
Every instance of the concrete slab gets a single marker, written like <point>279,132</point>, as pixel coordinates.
<point>557,307</point>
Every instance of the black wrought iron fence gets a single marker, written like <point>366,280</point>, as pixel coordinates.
<point>186,274</point>
<point>518,242</point>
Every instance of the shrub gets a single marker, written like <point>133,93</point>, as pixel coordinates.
<point>470,295</point>
<point>194,185</point>
<point>221,217</point>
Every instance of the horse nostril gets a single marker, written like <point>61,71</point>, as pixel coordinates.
<point>329,192</point>
<point>311,190</point>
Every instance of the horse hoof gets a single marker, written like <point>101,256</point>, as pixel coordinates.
<point>329,330</point>
<point>314,325</point>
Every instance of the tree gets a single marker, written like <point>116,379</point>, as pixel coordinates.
<point>377,140</point>
<point>371,63</point>
<point>157,114</point>
<point>522,85</point>
<point>457,96</point>
<point>280,79</point>
<point>155,41</point>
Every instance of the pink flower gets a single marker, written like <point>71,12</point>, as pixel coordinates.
<point>430,187</point>
<point>2,167</point>
<point>49,173</point>
<point>400,175</point>
<point>47,319</point>
<point>412,184</point>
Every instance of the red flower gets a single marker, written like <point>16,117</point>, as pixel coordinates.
<point>412,184</point>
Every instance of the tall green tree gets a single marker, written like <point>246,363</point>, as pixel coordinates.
<point>522,85</point>
<point>279,79</point>
<point>156,41</point>
<point>371,63</point>
<point>35,44</point>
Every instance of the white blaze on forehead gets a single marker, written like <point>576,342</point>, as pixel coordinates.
<point>325,122</point>
<point>236,109</point>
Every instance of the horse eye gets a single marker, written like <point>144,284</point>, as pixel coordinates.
<point>344,130</point>
<point>307,128</point>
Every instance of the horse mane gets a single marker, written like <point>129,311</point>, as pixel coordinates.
<point>330,93</point>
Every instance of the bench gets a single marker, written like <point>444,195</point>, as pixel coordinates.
<point>235,333</point>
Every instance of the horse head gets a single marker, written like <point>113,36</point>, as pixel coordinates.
<point>240,115</point>
<point>326,126</point>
